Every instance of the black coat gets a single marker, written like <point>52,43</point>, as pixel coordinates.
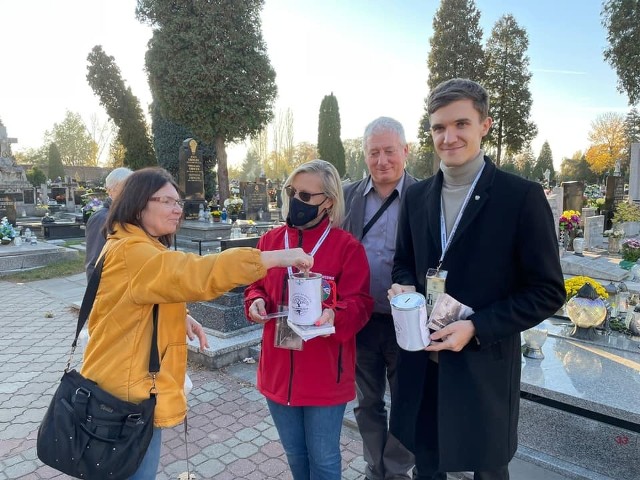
<point>502,262</point>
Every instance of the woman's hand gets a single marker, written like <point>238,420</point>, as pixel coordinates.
<point>257,311</point>
<point>194,329</point>
<point>293,257</point>
<point>328,317</point>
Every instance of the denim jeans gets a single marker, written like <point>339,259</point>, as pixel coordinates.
<point>310,437</point>
<point>149,466</point>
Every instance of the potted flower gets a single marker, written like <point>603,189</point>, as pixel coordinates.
<point>234,206</point>
<point>90,208</point>
<point>614,235</point>
<point>630,253</point>
<point>40,210</point>
<point>7,232</point>
<point>569,225</point>
<point>216,214</point>
<point>574,284</point>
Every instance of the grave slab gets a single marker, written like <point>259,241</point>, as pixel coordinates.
<point>579,404</point>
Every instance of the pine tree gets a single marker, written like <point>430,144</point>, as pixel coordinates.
<point>56,169</point>
<point>456,52</point>
<point>507,82</point>
<point>632,126</point>
<point>544,162</point>
<point>330,146</point>
<point>209,70</point>
<point>123,107</point>
<point>620,18</point>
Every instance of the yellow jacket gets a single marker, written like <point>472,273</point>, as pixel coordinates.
<point>139,272</point>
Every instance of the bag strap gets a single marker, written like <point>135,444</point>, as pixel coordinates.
<point>379,213</point>
<point>87,305</point>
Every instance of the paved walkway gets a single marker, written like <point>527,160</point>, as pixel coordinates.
<point>231,435</point>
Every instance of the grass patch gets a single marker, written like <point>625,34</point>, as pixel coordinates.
<point>55,270</point>
<point>77,241</point>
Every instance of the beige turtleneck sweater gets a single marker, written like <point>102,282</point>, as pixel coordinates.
<point>456,184</point>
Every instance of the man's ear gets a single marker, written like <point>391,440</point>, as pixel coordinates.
<point>486,125</point>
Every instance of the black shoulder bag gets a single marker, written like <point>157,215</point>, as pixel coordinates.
<point>87,432</point>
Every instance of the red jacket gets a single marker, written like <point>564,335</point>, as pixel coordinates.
<point>323,372</point>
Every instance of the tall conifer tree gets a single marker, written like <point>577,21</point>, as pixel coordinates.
<point>123,107</point>
<point>456,52</point>
<point>209,70</point>
<point>330,146</point>
<point>507,82</point>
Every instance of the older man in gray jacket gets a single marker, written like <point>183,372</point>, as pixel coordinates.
<point>95,236</point>
<point>372,207</point>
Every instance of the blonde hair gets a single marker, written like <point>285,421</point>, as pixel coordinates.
<point>331,186</point>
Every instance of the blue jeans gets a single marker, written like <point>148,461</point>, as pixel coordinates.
<point>310,437</point>
<point>149,466</point>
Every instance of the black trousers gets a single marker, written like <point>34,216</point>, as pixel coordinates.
<point>427,436</point>
<point>376,358</point>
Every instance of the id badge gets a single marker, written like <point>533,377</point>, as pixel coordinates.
<point>435,286</point>
<point>284,336</point>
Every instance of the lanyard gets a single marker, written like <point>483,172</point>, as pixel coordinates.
<point>444,241</point>
<point>322,238</point>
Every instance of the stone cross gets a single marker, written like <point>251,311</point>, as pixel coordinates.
<point>5,142</point>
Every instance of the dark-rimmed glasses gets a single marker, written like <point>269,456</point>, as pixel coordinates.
<point>168,201</point>
<point>304,196</point>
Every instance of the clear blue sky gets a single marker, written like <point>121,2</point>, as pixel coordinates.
<point>370,53</point>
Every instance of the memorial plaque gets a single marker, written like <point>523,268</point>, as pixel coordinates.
<point>573,195</point>
<point>256,201</point>
<point>8,209</point>
<point>29,197</point>
<point>191,177</point>
<point>59,194</point>
<point>593,228</point>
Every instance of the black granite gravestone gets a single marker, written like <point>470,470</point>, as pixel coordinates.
<point>29,196</point>
<point>191,178</point>
<point>613,196</point>
<point>256,201</point>
<point>573,196</point>
<point>8,209</point>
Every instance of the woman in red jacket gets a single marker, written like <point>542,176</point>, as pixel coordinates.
<point>308,383</point>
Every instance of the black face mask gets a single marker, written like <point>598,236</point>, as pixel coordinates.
<point>301,213</point>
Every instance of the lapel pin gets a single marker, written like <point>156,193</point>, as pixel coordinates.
<point>477,197</point>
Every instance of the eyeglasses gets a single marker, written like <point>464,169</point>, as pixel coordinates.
<point>304,196</point>
<point>168,201</point>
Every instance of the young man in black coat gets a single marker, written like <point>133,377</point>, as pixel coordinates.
<point>491,235</point>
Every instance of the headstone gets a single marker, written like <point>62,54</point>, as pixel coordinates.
<point>191,178</point>
<point>256,201</point>
<point>634,175</point>
<point>8,209</point>
<point>613,196</point>
<point>573,195</point>
<point>588,212</point>
<point>593,228</point>
<point>59,194</point>
<point>555,199</point>
<point>29,196</point>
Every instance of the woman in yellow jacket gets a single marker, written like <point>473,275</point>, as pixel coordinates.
<point>140,271</point>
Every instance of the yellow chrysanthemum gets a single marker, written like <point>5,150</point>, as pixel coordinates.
<point>573,284</point>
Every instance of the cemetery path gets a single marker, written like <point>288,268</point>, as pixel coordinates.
<point>231,434</point>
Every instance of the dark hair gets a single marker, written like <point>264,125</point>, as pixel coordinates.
<point>456,89</point>
<point>136,191</point>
